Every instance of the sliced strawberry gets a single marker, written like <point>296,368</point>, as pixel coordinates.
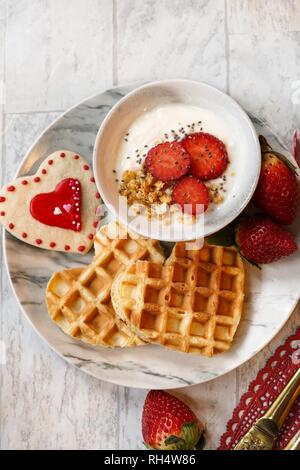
<point>192,195</point>
<point>209,156</point>
<point>168,161</point>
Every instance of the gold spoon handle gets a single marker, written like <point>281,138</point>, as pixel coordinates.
<point>282,405</point>
<point>294,443</point>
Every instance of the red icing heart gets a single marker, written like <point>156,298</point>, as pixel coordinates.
<point>60,208</point>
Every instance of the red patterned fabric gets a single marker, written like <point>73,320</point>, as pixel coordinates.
<point>269,382</point>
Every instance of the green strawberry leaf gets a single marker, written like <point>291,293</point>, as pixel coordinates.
<point>224,237</point>
<point>191,433</point>
<point>176,441</point>
<point>201,443</point>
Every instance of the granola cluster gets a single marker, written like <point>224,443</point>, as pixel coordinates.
<point>215,194</point>
<point>142,187</point>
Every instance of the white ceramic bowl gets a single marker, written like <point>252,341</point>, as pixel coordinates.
<point>229,122</point>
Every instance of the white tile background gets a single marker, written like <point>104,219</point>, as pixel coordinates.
<point>54,53</point>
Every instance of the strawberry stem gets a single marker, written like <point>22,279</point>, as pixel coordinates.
<point>264,145</point>
<point>266,148</point>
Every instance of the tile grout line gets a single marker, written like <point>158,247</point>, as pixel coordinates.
<point>3,108</point>
<point>114,43</point>
<point>226,44</point>
<point>227,79</point>
<point>120,390</point>
<point>48,111</point>
<point>3,166</point>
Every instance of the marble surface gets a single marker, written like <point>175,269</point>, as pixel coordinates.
<point>265,309</point>
<point>45,403</point>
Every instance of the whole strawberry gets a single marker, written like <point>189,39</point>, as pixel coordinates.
<point>262,241</point>
<point>277,192</point>
<point>169,424</point>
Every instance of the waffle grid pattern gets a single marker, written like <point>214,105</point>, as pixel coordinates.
<point>78,300</point>
<point>82,315</point>
<point>192,304</point>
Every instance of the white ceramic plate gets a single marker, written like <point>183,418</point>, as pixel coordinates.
<point>150,112</point>
<point>271,293</point>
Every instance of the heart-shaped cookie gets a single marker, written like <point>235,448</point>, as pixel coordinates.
<point>64,201</point>
<point>56,208</point>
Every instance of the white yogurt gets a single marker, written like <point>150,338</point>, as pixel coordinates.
<point>156,125</point>
<point>162,124</point>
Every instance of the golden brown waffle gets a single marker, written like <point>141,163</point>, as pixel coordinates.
<point>77,310</point>
<point>78,300</point>
<point>127,247</point>
<point>192,304</point>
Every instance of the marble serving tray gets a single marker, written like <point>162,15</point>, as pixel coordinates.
<point>271,293</point>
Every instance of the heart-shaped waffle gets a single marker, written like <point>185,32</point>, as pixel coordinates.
<point>54,209</point>
<point>78,300</point>
<point>192,304</point>
<point>82,313</point>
